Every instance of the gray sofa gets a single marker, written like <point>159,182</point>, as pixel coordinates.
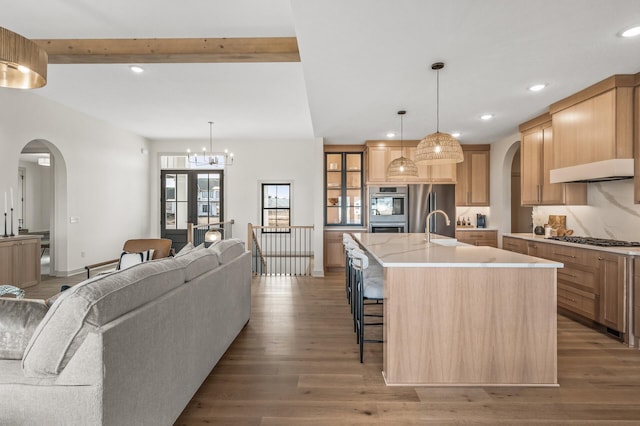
<point>132,347</point>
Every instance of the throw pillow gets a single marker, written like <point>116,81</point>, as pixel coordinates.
<point>184,250</point>
<point>18,320</point>
<point>127,259</point>
<point>227,250</point>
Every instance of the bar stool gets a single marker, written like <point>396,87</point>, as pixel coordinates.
<point>349,243</point>
<point>367,285</point>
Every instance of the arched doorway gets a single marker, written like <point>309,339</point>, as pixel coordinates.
<point>520,215</point>
<point>41,200</point>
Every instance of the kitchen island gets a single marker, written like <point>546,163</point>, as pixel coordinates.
<point>461,315</point>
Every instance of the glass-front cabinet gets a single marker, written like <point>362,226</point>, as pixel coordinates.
<point>343,188</point>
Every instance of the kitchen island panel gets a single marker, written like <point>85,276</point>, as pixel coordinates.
<point>470,326</point>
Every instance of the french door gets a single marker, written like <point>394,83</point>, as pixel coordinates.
<point>189,196</point>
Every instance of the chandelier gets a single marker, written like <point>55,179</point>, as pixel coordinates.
<point>438,148</point>
<point>23,64</point>
<point>402,166</point>
<point>210,158</point>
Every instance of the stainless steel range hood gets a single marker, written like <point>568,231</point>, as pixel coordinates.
<point>598,171</point>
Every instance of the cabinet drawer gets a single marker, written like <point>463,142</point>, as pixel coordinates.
<point>569,254</point>
<point>577,301</point>
<point>513,244</point>
<point>478,235</point>
<point>585,280</point>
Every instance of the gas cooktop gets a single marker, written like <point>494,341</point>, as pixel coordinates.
<point>602,242</point>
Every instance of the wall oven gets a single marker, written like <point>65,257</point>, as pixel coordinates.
<point>388,209</point>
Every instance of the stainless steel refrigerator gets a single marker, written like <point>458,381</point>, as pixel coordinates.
<point>423,199</point>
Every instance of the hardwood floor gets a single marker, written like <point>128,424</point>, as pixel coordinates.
<point>296,363</point>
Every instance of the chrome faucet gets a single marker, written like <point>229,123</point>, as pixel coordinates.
<point>427,231</point>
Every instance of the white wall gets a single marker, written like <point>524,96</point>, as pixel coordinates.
<point>101,176</point>
<point>256,162</point>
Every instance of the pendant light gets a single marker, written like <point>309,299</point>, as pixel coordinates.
<point>438,148</point>
<point>402,166</point>
<point>23,64</point>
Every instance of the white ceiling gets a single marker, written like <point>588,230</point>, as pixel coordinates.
<point>362,60</point>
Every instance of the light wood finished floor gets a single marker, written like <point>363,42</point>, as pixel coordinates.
<point>296,363</point>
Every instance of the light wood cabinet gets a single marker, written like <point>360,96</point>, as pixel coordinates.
<point>472,187</point>
<point>595,124</point>
<point>517,245</point>
<point>478,237</point>
<point>611,274</point>
<point>592,284</point>
<point>334,256</point>
<point>344,189</point>
<point>20,261</point>
<point>381,153</point>
<point>378,159</point>
<point>536,159</point>
<point>636,298</point>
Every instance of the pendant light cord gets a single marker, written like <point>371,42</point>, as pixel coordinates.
<point>401,135</point>
<point>437,101</point>
<point>211,136</point>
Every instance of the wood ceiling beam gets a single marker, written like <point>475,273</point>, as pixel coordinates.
<point>171,50</point>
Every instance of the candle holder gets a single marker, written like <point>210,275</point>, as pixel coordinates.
<point>5,225</point>
<point>11,234</point>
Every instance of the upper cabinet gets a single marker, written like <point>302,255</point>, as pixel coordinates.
<point>472,188</point>
<point>536,151</point>
<point>595,124</point>
<point>343,188</point>
<point>381,153</point>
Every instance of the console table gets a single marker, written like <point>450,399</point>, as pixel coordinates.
<point>20,260</point>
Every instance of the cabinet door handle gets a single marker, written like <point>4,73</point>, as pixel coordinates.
<point>565,255</point>
<point>539,193</point>
<point>600,258</point>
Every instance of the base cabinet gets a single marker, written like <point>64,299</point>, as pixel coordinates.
<point>20,261</point>
<point>592,284</point>
<point>517,245</point>
<point>611,269</point>
<point>478,237</point>
<point>334,256</point>
<point>636,299</point>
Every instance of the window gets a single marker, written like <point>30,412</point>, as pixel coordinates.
<point>276,205</point>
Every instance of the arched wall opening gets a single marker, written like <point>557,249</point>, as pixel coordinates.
<point>51,189</point>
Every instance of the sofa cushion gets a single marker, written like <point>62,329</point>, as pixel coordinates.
<point>227,250</point>
<point>197,262</point>
<point>91,304</point>
<point>18,320</point>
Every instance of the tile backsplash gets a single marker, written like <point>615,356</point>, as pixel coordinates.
<point>611,212</point>
<point>470,212</point>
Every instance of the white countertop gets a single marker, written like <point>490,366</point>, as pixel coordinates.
<point>476,229</point>
<point>410,250</point>
<point>630,251</point>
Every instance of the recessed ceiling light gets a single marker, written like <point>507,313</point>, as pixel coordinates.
<point>456,134</point>
<point>136,69</point>
<point>537,87</point>
<point>630,32</point>
<point>486,116</point>
<point>390,134</point>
